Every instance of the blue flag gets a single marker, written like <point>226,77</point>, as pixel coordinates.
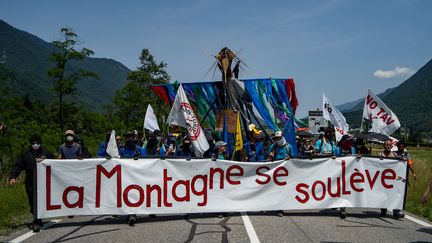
<point>289,134</point>
<point>226,137</point>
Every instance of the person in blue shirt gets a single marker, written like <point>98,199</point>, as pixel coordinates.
<point>254,148</point>
<point>131,150</point>
<point>103,146</point>
<point>280,149</point>
<point>325,145</point>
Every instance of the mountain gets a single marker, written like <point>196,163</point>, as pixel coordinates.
<point>27,57</point>
<point>358,104</point>
<point>411,101</point>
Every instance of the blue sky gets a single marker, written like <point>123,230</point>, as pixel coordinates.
<point>341,48</point>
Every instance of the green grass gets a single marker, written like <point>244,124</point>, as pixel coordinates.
<point>14,208</point>
<point>423,168</point>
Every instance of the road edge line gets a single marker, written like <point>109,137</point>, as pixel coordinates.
<point>418,221</point>
<point>253,237</point>
<point>31,233</point>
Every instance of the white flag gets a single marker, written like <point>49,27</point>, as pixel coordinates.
<point>182,115</point>
<point>150,120</point>
<point>383,120</point>
<point>112,149</point>
<point>335,117</point>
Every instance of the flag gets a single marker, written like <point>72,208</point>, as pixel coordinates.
<point>182,115</point>
<point>226,136</point>
<point>382,119</point>
<point>238,137</point>
<point>150,120</point>
<point>112,149</point>
<point>289,135</point>
<point>335,117</point>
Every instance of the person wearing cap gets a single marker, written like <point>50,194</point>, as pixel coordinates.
<point>220,150</point>
<point>308,149</point>
<point>280,149</point>
<point>70,149</point>
<point>27,162</point>
<point>254,148</point>
<point>185,149</point>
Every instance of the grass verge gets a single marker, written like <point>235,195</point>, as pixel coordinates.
<point>14,208</point>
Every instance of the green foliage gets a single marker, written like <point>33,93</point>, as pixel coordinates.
<point>131,101</point>
<point>14,208</point>
<point>27,58</point>
<point>64,83</point>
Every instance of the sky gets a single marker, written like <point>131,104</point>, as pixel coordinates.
<point>339,47</point>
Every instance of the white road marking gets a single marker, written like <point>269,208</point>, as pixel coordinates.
<point>31,233</point>
<point>418,221</point>
<point>253,237</point>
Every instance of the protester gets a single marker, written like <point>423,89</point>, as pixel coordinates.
<point>131,150</point>
<point>346,146</point>
<point>70,149</point>
<point>209,134</point>
<point>155,144</point>
<point>102,150</point>
<point>137,140</point>
<point>308,149</point>
<point>325,145</point>
<point>403,153</point>
<point>280,149</point>
<point>27,162</point>
<point>220,150</point>
<point>85,152</point>
<point>360,147</point>
<point>185,149</point>
<point>254,148</point>
<point>172,147</point>
<point>388,153</point>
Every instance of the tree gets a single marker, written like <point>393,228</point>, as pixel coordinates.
<point>64,80</point>
<point>131,101</point>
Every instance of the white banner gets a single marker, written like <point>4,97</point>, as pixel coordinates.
<point>383,119</point>
<point>182,115</point>
<point>155,186</point>
<point>150,120</point>
<point>336,118</point>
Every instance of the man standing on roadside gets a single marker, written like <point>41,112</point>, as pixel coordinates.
<point>27,162</point>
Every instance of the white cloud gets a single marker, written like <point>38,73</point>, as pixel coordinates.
<point>397,71</point>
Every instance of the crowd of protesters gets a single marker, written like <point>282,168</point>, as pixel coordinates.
<point>257,148</point>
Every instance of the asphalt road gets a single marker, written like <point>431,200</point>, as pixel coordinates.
<point>361,225</point>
